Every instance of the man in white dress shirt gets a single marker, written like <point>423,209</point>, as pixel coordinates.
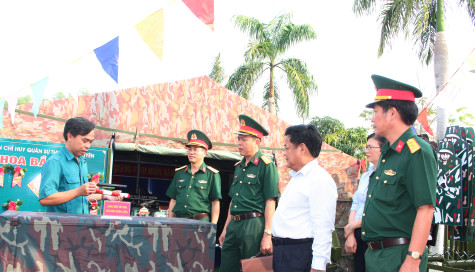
<point>305,218</point>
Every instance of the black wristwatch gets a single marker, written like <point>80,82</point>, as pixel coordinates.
<point>414,254</point>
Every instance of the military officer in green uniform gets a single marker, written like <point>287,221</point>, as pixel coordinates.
<point>401,194</point>
<point>196,188</point>
<point>253,191</point>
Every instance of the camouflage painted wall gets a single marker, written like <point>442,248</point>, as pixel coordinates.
<point>169,110</point>
<point>65,242</point>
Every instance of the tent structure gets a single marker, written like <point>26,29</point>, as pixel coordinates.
<point>156,118</point>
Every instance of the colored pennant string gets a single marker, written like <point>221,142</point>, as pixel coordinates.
<point>38,90</point>
<point>108,56</point>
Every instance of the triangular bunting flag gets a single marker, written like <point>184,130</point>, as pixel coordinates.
<point>151,31</point>
<point>204,10</point>
<point>38,90</point>
<point>2,103</point>
<point>108,56</point>
<point>422,118</point>
<point>12,101</point>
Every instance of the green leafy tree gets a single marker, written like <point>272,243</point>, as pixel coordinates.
<point>20,101</point>
<point>266,54</point>
<point>349,140</point>
<point>424,21</point>
<point>462,118</point>
<point>217,73</point>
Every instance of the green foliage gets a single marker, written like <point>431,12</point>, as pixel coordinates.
<point>349,140</point>
<point>418,19</point>
<point>217,73</point>
<point>462,118</point>
<point>59,95</point>
<point>267,47</point>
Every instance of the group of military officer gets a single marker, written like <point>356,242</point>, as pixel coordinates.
<point>400,199</point>
<point>196,189</point>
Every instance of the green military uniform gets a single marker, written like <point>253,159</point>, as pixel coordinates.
<point>194,193</point>
<point>404,179</point>
<point>252,185</point>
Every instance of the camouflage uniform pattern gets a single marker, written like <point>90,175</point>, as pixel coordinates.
<point>32,241</point>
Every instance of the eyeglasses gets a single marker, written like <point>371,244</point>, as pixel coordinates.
<point>369,147</point>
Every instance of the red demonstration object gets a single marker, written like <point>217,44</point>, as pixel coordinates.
<point>111,193</point>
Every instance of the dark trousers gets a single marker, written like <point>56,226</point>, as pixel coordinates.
<point>358,257</point>
<point>292,258</point>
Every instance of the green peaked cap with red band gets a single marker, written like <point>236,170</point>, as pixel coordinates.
<point>249,126</point>
<point>390,89</point>
<point>198,138</point>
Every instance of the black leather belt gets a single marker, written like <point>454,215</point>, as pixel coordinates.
<point>197,216</point>
<point>276,241</point>
<point>389,242</point>
<point>239,217</point>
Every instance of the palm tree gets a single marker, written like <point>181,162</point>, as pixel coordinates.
<point>269,42</point>
<point>425,22</point>
<point>217,73</point>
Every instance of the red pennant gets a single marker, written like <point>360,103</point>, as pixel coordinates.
<point>422,118</point>
<point>203,9</point>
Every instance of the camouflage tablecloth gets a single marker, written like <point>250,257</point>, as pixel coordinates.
<point>33,241</point>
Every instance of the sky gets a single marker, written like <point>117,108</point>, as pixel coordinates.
<point>55,39</point>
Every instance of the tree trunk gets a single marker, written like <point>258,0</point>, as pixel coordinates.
<point>441,73</point>
<point>271,102</point>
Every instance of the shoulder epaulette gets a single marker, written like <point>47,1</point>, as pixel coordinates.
<point>236,164</point>
<point>179,168</point>
<point>212,169</point>
<point>266,159</point>
<point>413,145</point>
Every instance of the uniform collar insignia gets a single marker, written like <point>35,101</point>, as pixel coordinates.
<point>256,161</point>
<point>400,146</point>
<point>389,172</point>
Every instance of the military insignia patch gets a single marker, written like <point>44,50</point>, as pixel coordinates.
<point>251,176</point>
<point>236,164</point>
<point>179,168</point>
<point>256,160</point>
<point>193,136</point>
<point>413,145</point>
<point>212,169</point>
<point>266,159</point>
<point>202,181</point>
<point>400,146</point>
<point>243,123</point>
<point>389,172</point>
<point>181,180</point>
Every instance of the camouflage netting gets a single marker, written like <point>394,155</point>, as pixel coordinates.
<point>65,242</point>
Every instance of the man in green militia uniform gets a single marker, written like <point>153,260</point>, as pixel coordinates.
<point>196,188</point>
<point>253,191</point>
<point>401,194</point>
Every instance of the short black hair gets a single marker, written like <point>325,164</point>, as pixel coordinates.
<point>407,109</point>
<point>77,126</point>
<point>306,134</point>
<point>380,139</point>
